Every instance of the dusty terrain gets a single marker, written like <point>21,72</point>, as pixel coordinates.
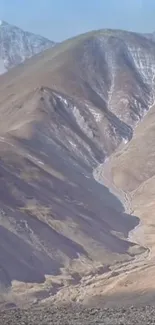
<point>129,174</point>
<point>78,315</point>
<point>71,228</point>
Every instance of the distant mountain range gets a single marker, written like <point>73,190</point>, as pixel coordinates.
<point>17,45</point>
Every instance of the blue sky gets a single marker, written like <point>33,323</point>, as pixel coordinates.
<point>61,19</point>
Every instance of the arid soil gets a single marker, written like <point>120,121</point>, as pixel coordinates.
<point>79,316</point>
<point>65,237</point>
<point>135,161</point>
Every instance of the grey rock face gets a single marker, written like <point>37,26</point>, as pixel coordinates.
<point>17,45</point>
<point>121,71</point>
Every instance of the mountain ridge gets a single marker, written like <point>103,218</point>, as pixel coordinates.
<point>64,112</point>
<point>17,45</point>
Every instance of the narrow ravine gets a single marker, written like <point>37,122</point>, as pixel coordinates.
<point>102,174</point>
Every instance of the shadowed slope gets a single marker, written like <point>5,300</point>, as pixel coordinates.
<point>63,113</point>
<point>49,198</point>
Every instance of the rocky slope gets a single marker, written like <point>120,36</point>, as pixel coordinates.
<point>17,45</point>
<point>133,171</point>
<point>62,113</point>
<point>79,315</point>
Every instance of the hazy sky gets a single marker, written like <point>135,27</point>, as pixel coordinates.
<point>60,19</point>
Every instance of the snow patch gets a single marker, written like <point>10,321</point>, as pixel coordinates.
<point>125,140</point>
<point>82,122</point>
<point>63,100</point>
<point>97,116</point>
<point>40,162</point>
<point>72,143</point>
<point>35,159</point>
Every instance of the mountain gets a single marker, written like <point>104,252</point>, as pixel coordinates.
<point>17,45</point>
<point>63,114</point>
<point>133,171</point>
<point>150,36</point>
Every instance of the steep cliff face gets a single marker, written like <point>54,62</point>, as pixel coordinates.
<point>17,45</point>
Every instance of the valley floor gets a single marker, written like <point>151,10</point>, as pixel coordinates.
<point>120,285</point>
<point>137,276</point>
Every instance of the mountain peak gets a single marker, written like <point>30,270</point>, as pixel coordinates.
<point>2,22</point>
<point>18,45</point>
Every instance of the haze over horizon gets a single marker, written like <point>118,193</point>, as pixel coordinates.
<point>61,19</point>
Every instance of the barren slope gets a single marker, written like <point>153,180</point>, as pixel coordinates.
<point>78,315</point>
<point>132,172</point>
<point>49,199</point>
<point>136,173</point>
<point>62,114</point>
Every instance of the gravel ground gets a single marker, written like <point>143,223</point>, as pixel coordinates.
<point>79,316</point>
